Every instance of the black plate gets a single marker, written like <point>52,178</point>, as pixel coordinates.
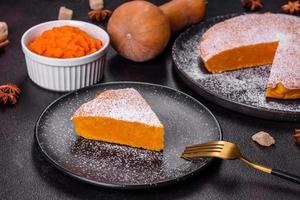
<point>240,90</point>
<point>186,122</point>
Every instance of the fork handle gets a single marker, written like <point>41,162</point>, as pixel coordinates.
<point>275,172</point>
<point>285,175</point>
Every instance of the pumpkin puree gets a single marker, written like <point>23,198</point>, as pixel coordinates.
<point>65,42</point>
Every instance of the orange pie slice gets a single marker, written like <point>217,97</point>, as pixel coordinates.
<point>120,116</point>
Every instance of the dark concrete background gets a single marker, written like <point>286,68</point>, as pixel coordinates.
<point>25,174</point>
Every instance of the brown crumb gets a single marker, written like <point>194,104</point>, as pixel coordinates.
<point>65,13</point>
<point>297,136</point>
<point>263,138</point>
<point>3,35</point>
<point>96,4</point>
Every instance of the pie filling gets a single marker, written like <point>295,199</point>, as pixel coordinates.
<point>280,92</point>
<point>242,57</point>
<point>120,132</point>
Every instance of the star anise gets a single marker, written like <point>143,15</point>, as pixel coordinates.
<point>99,15</point>
<point>292,7</point>
<point>252,4</point>
<point>9,93</point>
<point>297,135</point>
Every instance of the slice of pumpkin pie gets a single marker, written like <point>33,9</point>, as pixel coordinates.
<point>284,80</point>
<point>120,116</point>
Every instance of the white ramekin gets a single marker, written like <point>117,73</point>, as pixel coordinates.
<point>65,74</point>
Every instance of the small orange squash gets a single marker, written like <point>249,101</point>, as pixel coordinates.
<point>140,31</point>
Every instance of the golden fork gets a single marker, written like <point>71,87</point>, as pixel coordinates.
<point>230,151</point>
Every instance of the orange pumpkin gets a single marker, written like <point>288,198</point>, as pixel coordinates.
<point>139,30</point>
<point>142,36</point>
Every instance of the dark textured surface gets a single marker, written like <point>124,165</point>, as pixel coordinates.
<point>25,174</point>
<point>185,120</point>
<point>240,90</point>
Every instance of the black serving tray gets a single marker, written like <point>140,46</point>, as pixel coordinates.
<point>241,90</point>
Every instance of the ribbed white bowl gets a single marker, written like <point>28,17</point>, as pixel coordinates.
<point>65,74</point>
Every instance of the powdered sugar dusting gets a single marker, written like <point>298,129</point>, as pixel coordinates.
<point>186,122</point>
<point>245,87</point>
<point>254,29</point>
<point>122,104</point>
<point>249,29</point>
<point>286,65</point>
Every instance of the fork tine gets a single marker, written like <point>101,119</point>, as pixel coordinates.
<point>209,149</point>
<point>204,146</point>
<point>200,154</point>
<point>195,151</point>
<point>203,149</point>
<point>213,143</point>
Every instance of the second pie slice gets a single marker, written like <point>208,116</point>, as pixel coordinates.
<point>120,116</point>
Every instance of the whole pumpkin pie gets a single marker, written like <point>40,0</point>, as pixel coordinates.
<point>257,39</point>
<point>120,116</point>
